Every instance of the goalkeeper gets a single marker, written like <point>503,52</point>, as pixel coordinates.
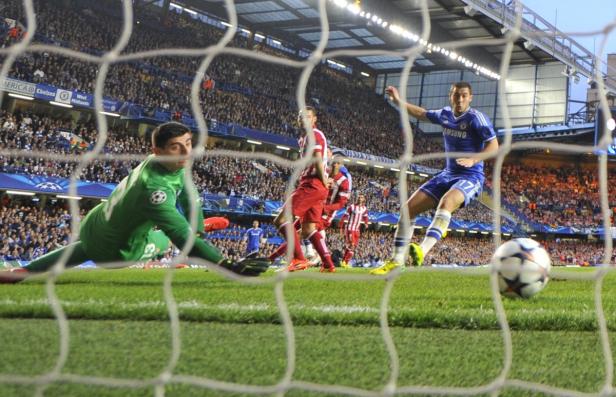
<point>153,194</point>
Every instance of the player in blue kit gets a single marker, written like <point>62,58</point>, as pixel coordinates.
<point>253,237</point>
<point>464,130</point>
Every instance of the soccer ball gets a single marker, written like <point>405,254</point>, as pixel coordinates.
<point>522,266</point>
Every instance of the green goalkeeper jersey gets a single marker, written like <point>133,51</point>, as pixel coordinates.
<point>149,196</point>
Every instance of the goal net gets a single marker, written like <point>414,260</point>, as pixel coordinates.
<point>122,52</point>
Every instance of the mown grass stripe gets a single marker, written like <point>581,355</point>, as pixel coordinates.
<point>419,299</point>
<point>255,354</point>
<point>301,314</point>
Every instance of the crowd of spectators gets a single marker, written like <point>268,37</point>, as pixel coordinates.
<point>29,230</point>
<point>218,175</point>
<point>576,252</point>
<point>30,132</point>
<point>462,251</point>
<point>10,32</point>
<point>249,93</point>
<point>564,196</point>
<point>240,177</point>
<point>373,247</point>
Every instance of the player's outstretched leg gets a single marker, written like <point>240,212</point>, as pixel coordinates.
<point>44,263</point>
<point>419,202</point>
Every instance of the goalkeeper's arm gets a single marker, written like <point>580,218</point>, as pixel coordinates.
<point>245,267</point>
<point>184,201</point>
<point>178,230</point>
<point>175,226</point>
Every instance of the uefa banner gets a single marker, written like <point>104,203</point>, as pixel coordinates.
<point>51,185</point>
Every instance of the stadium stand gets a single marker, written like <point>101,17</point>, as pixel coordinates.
<point>246,94</point>
<point>564,196</point>
<point>218,175</point>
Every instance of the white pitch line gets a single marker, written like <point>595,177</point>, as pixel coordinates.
<point>256,308</point>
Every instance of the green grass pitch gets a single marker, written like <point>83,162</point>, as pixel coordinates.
<point>443,324</point>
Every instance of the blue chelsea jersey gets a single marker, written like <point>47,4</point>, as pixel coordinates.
<point>254,236</point>
<point>468,132</point>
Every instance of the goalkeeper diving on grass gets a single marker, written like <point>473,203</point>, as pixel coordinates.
<point>152,195</point>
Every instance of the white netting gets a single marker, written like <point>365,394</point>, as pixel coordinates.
<point>287,382</point>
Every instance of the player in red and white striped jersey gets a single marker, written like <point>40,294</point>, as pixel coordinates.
<point>339,191</point>
<point>308,199</point>
<point>339,183</point>
<point>356,214</point>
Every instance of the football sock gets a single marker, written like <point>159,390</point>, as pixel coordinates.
<point>287,229</point>
<point>319,245</point>
<point>280,251</point>
<point>308,249</point>
<point>437,228</point>
<point>348,255</point>
<point>402,238</point>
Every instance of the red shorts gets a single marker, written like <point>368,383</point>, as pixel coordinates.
<point>307,201</point>
<point>351,237</point>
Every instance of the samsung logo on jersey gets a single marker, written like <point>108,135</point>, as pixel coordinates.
<point>455,133</point>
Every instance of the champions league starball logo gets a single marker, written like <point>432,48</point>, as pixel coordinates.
<point>158,197</point>
<point>49,186</point>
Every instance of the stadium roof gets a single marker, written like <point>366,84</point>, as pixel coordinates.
<point>297,22</point>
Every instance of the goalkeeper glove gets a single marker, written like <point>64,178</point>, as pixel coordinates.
<point>251,267</point>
